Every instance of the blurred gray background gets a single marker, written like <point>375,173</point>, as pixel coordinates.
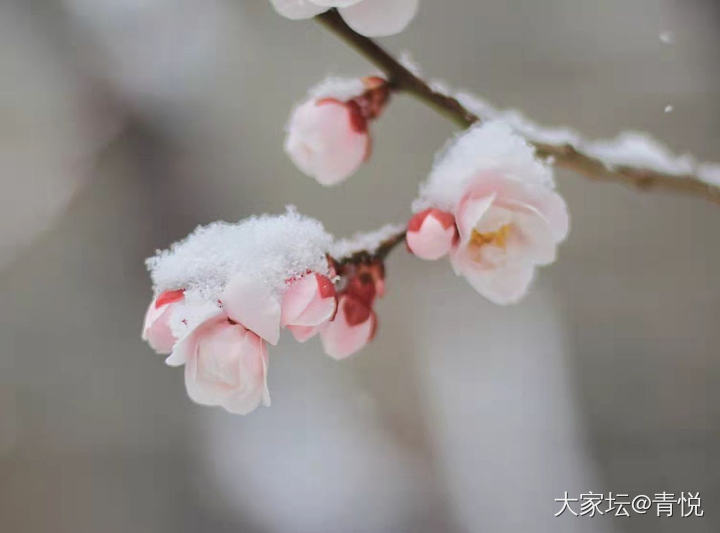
<point>124,124</point>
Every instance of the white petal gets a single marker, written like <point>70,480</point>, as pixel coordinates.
<point>535,241</point>
<point>297,9</point>
<point>185,345</point>
<point>469,212</point>
<point>378,18</point>
<point>335,3</point>
<point>547,201</point>
<point>504,285</point>
<point>252,304</point>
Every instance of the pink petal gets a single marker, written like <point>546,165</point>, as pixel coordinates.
<point>169,297</point>
<point>318,312</point>
<point>323,142</point>
<point>340,339</point>
<point>156,328</point>
<point>242,402</point>
<point>297,297</point>
<point>378,18</point>
<point>252,304</point>
<point>228,367</point>
<point>309,301</point>
<point>303,333</point>
<point>469,211</point>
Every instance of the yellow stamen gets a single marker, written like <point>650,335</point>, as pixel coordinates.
<point>496,238</point>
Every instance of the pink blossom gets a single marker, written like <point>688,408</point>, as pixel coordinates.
<point>508,216</point>
<point>156,326</point>
<point>307,304</point>
<point>431,233</point>
<point>352,328</point>
<point>225,364</point>
<point>506,227</point>
<point>329,138</point>
<point>373,18</point>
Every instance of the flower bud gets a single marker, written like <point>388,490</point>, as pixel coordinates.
<point>431,233</point>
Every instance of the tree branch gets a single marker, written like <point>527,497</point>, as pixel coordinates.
<point>562,156</point>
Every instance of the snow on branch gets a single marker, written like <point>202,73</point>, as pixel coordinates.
<point>632,158</point>
<point>369,243</point>
<point>630,153</point>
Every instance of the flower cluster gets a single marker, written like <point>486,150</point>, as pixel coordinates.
<point>488,203</point>
<point>225,292</point>
<point>374,18</point>
<point>491,205</point>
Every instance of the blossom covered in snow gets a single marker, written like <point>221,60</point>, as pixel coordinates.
<point>225,291</point>
<point>627,149</point>
<point>328,135</point>
<point>373,18</point>
<point>508,217</point>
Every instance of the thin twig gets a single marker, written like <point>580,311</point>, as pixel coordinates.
<point>388,245</point>
<point>400,78</point>
<point>563,156</point>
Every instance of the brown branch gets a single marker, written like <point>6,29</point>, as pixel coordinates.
<point>388,245</point>
<point>400,78</point>
<point>562,156</point>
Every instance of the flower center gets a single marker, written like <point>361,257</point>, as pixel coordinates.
<point>496,238</point>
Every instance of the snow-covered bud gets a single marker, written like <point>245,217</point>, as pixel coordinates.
<point>374,18</point>
<point>352,328</point>
<point>431,233</point>
<point>508,216</point>
<point>307,304</point>
<point>225,364</point>
<point>156,326</point>
<point>240,282</point>
<point>328,137</point>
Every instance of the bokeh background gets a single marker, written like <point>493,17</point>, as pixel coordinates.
<point>125,123</point>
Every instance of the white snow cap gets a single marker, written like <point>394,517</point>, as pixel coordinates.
<point>488,147</point>
<point>269,249</point>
